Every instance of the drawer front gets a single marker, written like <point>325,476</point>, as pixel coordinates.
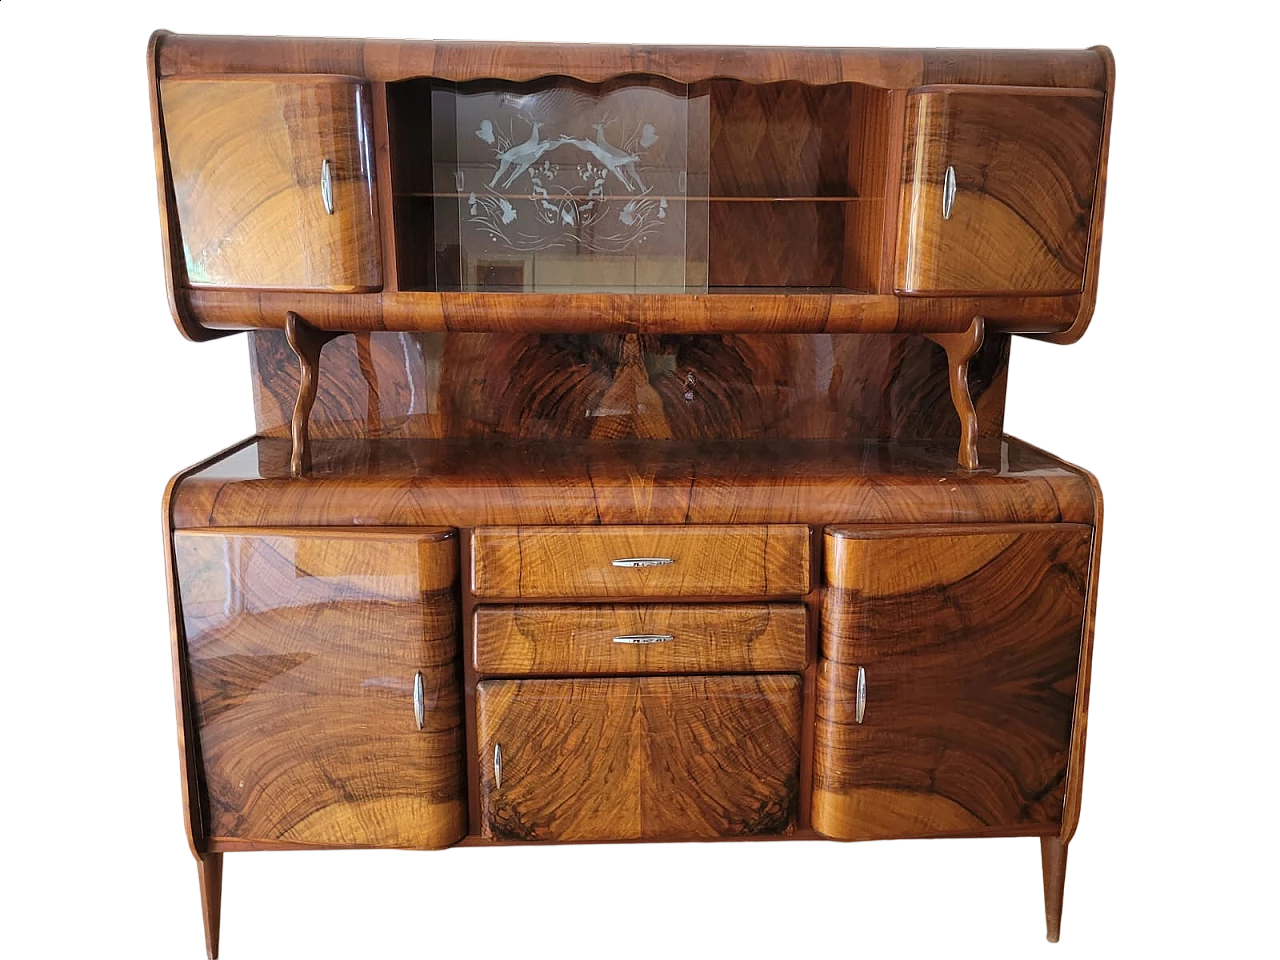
<point>947,689</point>
<point>543,640</point>
<point>661,758</point>
<point>273,182</point>
<point>748,560</point>
<point>304,651</point>
<point>1023,164</point>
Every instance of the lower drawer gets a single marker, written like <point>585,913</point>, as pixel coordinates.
<point>631,638</point>
<point>655,758</point>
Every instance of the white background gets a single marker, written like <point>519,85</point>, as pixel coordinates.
<point>1170,399</point>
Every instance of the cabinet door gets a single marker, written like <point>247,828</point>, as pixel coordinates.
<point>947,689</point>
<point>997,189</point>
<point>273,181</point>
<point>324,685</point>
<point>661,758</point>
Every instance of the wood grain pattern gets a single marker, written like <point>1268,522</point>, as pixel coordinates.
<point>245,157</point>
<point>546,640</point>
<point>477,483</point>
<point>189,54</point>
<point>1025,163</point>
<point>302,649</point>
<point>970,643</point>
<point>664,758</point>
<point>544,387</point>
<point>551,562</point>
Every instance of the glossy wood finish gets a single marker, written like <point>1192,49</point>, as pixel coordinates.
<point>188,54</point>
<point>1053,863</point>
<point>742,560</point>
<point>485,482</point>
<point>303,649</point>
<point>664,758</point>
<point>970,642</point>
<point>960,349</point>
<point>246,157</point>
<point>549,640</point>
<point>306,342</point>
<point>544,387</point>
<point>1025,162</point>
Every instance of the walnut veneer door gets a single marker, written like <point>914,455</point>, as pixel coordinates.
<point>947,689</point>
<point>661,758</point>
<point>997,189</point>
<point>273,180</point>
<point>324,680</point>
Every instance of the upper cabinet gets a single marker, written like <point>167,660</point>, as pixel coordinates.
<point>998,189</point>
<point>273,181</point>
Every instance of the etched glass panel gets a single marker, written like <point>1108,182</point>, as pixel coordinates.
<point>559,185</point>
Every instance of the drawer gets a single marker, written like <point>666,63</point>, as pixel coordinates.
<point>652,638</point>
<point>640,758</point>
<point>746,560</point>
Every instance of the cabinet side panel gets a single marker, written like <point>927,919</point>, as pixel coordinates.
<point>304,652</point>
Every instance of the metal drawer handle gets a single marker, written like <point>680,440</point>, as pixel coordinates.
<point>497,766</point>
<point>326,186</point>
<point>948,192</point>
<point>860,697</point>
<point>644,638</point>
<point>419,701</point>
<point>643,562</point>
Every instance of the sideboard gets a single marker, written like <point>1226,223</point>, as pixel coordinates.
<point>629,460</point>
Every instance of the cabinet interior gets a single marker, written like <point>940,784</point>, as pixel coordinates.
<point>636,184</point>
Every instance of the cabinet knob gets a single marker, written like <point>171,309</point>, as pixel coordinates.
<point>419,701</point>
<point>643,562</point>
<point>644,638</point>
<point>860,697</point>
<point>948,192</point>
<point>326,186</point>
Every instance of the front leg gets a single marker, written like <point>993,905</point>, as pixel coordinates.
<point>1053,864</point>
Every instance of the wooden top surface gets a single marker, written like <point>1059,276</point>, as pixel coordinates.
<point>467,483</point>
<point>389,60</point>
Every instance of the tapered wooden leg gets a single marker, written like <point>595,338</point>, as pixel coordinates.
<point>1053,864</point>
<point>210,868</point>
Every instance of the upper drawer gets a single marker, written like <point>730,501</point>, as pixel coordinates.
<point>747,560</point>
<point>273,181</point>
<point>997,189</point>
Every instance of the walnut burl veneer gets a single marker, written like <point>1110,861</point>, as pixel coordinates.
<point>662,758</point>
<point>962,648</point>
<point>629,458</point>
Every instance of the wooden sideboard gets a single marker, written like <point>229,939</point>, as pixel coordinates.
<point>629,459</point>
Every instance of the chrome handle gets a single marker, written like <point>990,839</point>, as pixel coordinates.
<point>419,701</point>
<point>326,186</point>
<point>948,192</point>
<point>497,766</point>
<point>860,697</point>
<point>643,562</point>
<point>644,638</point>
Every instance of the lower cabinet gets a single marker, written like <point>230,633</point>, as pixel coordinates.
<point>324,685</point>
<point>946,693</point>
<point>654,758</point>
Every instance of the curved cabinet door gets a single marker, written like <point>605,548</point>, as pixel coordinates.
<point>997,189</point>
<point>273,181</point>
<point>662,758</point>
<point>304,651</point>
<point>947,687</point>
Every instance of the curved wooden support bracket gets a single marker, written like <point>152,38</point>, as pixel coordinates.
<point>961,348</point>
<point>307,342</point>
